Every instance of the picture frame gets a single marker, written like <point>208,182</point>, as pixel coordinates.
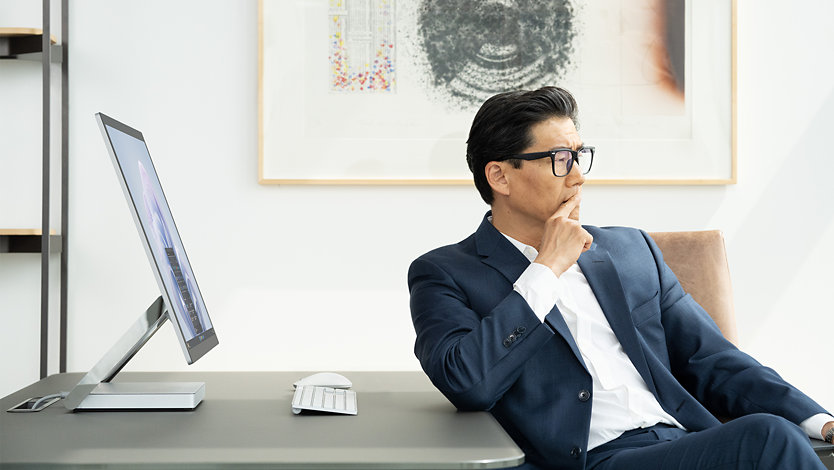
<point>322,123</point>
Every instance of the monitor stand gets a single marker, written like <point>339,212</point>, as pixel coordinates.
<point>96,392</point>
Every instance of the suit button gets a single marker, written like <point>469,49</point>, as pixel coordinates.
<point>511,338</point>
<point>575,452</point>
<point>507,342</point>
<point>584,395</point>
<point>520,330</point>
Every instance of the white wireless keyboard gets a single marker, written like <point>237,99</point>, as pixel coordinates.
<point>329,400</point>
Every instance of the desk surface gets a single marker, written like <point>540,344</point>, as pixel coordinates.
<point>246,421</point>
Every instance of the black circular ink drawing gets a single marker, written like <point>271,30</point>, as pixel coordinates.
<point>477,48</point>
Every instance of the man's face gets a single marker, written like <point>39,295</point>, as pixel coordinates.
<point>534,192</point>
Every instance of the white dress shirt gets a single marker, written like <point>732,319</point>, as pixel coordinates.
<point>621,401</point>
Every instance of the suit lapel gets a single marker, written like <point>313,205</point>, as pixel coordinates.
<point>497,252</point>
<point>599,269</point>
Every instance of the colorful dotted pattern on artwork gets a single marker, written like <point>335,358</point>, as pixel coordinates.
<point>377,76</point>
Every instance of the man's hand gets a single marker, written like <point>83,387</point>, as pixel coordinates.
<point>564,238</point>
<point>825,428</point>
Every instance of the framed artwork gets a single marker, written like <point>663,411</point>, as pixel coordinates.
<point>384,91</point>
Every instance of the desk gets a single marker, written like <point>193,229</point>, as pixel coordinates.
<point>246,421</point>
<point>825,451</point>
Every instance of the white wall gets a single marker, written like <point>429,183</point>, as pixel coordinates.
<point>314,277</point>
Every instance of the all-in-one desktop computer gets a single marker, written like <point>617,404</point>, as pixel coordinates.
<point>180,300</point>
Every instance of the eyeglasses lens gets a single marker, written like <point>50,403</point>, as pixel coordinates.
<point>563,161</point>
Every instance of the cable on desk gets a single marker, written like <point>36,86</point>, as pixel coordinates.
<point>60,395</point>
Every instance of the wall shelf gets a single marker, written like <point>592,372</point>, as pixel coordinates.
<point>24,43</point>
<point>41,46</point>
<point>26,241</point>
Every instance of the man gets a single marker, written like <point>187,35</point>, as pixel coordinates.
<point>579,339</point>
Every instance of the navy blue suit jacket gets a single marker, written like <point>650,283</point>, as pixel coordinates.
<point>484,348</point>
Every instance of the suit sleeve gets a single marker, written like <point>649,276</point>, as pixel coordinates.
<point>727,381</point>
<point>472,357</point>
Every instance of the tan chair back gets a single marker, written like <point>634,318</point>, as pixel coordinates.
<point>699,260</point>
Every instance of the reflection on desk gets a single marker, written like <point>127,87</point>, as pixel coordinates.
<point>246,421</point>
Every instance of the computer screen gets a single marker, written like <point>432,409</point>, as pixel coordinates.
<point>157,229</point>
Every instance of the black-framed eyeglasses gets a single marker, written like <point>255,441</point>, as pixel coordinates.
<point>561,159</point>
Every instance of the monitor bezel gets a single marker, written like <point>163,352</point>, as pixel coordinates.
<point>196,352</point>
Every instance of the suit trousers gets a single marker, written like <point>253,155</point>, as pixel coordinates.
<point>758,441</point>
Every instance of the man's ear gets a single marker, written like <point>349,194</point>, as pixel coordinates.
<point>497,177</point>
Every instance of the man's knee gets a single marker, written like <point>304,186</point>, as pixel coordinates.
<point>766,426</point>
<point>773,442</point>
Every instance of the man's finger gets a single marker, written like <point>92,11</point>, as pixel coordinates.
<point>567,207</point>
<point>589,240</point>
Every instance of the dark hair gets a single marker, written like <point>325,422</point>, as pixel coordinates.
<point>502,127</point>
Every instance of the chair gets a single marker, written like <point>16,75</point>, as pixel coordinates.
<point>699,260</point>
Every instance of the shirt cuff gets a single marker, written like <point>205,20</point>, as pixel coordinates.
<point>813,425</point>
<point>540,287</point>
